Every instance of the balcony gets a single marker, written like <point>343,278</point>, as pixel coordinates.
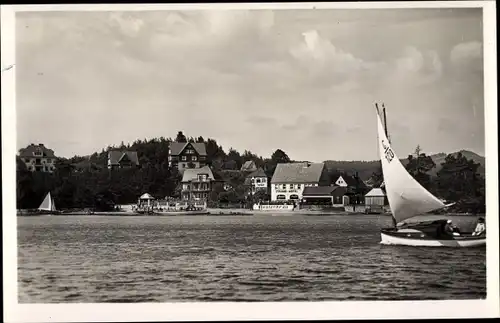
<point>200,189</point>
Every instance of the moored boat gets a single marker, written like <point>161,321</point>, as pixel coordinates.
<point>407,199</point>
<point>47,207</point>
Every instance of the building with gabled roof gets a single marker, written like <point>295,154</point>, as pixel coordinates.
<point>185,154</point>
<point>249,166</point>
<point>257,181</point>
<point>324,195</point>
<point>38,158</point>
<point>197,183</point>
<point>122,159</point>
<point>290,179</point>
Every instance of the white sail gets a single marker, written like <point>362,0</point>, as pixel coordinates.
<point>407,198</point>
<point>48,203</point>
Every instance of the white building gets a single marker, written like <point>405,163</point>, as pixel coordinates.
<point>257,181</point>
<point>38,158</point>
<point>289,180</point>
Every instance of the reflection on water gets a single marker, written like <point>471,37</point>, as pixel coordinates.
<point>231,258</point>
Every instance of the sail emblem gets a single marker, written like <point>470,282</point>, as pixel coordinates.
<point>389,154</point>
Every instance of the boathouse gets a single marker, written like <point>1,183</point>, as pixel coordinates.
<point>375,200</point>
<point>324,195</point>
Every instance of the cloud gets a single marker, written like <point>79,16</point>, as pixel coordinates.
<point>464,52</point>
<point>256,79</point>
<point>259,120</point>
<point>323,61</point>
<point>415,67</point>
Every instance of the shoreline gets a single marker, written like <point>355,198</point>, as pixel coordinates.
<point>230,212</point>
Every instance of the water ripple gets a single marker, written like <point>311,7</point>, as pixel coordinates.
<point>176,259</point>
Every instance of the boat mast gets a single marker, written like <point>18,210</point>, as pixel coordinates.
<point>394,222</point>
<point>385,124</point>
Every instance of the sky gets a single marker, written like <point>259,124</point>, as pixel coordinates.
<point>303,80</point>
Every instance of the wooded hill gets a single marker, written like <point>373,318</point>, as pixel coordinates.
<point>85,181</point>
<point>365,169</point>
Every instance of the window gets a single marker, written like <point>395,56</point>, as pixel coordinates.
<point>290,186</point>
<point>49,160</point>
<point>258,180</point>
<point>281,197</point>
<point>183,158</point>
<point>298,186</point>
<point>284,186</point>
<point>38,161</point>
<point>294,197</point>
<point>194,158</point>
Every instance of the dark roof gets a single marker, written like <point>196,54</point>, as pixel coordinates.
<point>177,147</point>
<point>115,156</point>
<point>258,173</point>
<point>349,179</point>
<point>298,173</point>
<point>217,176</point>
<point>322,190</point>
<point>31,149</point>
<point>192,173</point>
<point>248,166</point>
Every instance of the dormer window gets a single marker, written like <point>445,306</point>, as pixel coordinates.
<point>38,152</point>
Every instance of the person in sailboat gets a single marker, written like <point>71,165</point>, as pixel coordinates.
<point>451,228</point>
<point>480,227</point>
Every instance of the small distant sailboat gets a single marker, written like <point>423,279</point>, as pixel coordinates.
<point>48,205</point>
<point>407,199</point>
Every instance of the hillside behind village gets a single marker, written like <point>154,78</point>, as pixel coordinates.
<point>366,168</point>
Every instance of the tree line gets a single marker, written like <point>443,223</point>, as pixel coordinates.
<point>85,181</point>
<point>458,180</point>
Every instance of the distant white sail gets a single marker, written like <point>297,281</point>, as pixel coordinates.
<point>407,198</point>
<point>48,203</point>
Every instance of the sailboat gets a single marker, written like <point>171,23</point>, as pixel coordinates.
<point>407,199</point>
<point>48,206</point>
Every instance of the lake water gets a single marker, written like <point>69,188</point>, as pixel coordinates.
<point>235,258</point>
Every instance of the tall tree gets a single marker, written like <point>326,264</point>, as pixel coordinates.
<point>419,165</point>
<point>180,137</point>
<point>459,181</point>
<point>377,177</point>
<point>279,157</point>
<point>235,156</point>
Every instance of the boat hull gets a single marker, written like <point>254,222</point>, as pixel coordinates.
<point>396,238</point>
